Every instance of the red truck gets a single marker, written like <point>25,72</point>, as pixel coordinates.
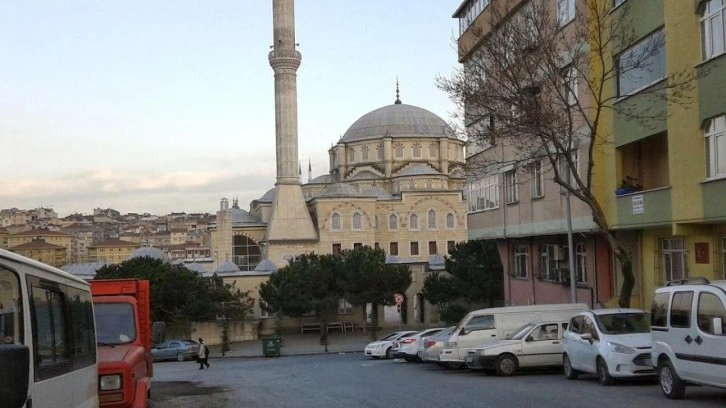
<point>123,331</point>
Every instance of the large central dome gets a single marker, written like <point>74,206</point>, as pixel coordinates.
<point>397,120</point>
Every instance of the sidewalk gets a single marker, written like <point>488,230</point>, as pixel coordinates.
<point>297,344</point>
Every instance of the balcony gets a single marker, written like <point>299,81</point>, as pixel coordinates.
<point>647,208</point>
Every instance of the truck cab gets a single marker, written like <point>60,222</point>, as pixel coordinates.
<point>124,342</point>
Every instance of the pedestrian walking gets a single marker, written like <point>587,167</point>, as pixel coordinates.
<point>203,354</point>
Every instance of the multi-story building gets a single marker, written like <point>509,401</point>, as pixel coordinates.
<point>82,238</point>
<point>38,249</point>
<point>49,237</point>
<point>674,213</point>
<point>112,251</point>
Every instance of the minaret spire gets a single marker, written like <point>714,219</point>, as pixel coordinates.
<point>290,219</point>
<point>310,170</point>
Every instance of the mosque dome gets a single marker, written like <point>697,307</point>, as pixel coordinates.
<point>150,252</point>
<point>397,121</point>
<point>268,196</point>
<point>240,216</point>
<point>338,190</point>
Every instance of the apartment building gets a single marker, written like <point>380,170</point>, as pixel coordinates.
<point>42,251</point>
<point>112,250</point>
<point>47,236</point>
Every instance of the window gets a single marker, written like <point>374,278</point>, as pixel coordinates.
<point>433,150</point>
<point>511,188</point>
<point>416,149</point>
<point>673,252</point>
<point>432,219</point>
<point>549,262</point>
<point>710,307</point>
<point>393,249</point>
<point>357,221</point>
<point>681,309</point>
<point>375,222</point>
<point>450,246</point>
<point>264,309</point>
<point>565,11</point>
<point>570,86</point>
<point>365,153</point>
<point>50,327</point>
<point>642,65</point>
<point>450,221</point>
<point>413,222</point>
<point>398,148</point>
<point>335,222</point>
<point>11,308</point>
<point>484,322</point>
<point>392,222</point>
<point>337,247</point>
<point>484,194</point>
<point>521,261</point>
<point>659,310</point>
<point>344,307</point>
<point>351,154</point>
<point>568,172</point>
<point>414,248</point>
<point>580,263</point>
<point>712,28</point>
<point>377,245</point>
<point>618,2</point>
<point>357,245</point>
<point>246,254</point>
<point>433,248</point>
<point>537,179</point>
<point>379,149</point>
<point>716,147</point>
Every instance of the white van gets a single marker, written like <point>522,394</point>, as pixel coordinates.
<point>688,329</point>
<point>47,337</point>
<point>483,327</point>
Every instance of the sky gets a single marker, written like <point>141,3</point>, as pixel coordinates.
<point>165,106</point>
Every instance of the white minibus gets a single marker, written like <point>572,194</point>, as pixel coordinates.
<point>485,326</point>
<point>48,347</point>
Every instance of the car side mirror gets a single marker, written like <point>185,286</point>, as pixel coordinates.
<point>588,337</point>
<point>528,339</point>
<point>462,331</point>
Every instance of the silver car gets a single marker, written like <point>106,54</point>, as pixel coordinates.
<point>429,346</point>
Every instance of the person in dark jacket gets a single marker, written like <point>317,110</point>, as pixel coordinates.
<point>203,354</point>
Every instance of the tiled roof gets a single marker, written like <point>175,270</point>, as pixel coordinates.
<point>114,242</point>
<point>37,244</point>
<point>40,232</point>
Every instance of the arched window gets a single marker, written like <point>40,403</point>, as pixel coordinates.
<point>365,152</point>
<point>450,221</point>
<point>433,150</point>
<point>357,221</point>
<point>432,219</point>
<point>246,254</point>
<point>335,222</point>
<point>398,147</point>
<point>375,225</point>
<point>392,222</point>
<point>379,149</point>
<point>413,222</point>
<point>416,150</point>
<point>351,154</point>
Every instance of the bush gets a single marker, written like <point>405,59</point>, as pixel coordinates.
<point>453,314</point>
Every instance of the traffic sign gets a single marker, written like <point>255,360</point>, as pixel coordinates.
<point>398,298</point>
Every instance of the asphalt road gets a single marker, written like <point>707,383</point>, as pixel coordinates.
<point>352,380</point>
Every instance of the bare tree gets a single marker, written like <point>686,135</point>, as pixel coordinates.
<point>544,89</point>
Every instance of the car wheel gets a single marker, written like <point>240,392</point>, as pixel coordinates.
<point>388,352</point>
<point>570,373</point>
<point>670,383</point>
<point>603,375</point>
<point>506,365</point>
<point>180,357</point>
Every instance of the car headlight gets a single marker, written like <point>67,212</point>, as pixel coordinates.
<point>109,382</point>
<point>619,348</point>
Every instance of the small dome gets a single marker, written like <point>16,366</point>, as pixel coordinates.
<point>151,252</point>
<point>268,196</point>
<point>324,179</point>
<point>418,170</point>
<point>227,267</point>
<point>377,192</point>
<point>397,120</point>
<point>240,216</point>
<point>265,266</point>
<point>338,190</point>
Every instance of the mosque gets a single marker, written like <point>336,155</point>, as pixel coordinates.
<point>395,182</point>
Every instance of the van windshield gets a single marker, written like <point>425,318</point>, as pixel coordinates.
<point>624,323</point>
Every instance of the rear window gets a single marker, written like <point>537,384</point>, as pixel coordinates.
<point>681,309</point>
<point>659,310</point>
<point>623,323</point>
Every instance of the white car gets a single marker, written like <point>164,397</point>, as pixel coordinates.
<point>535,344</point>
<point>612,343</point>
<point>407,347</point>
<point>382,348</point>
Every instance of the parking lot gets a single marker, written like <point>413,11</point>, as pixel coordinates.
<point>353,380</point>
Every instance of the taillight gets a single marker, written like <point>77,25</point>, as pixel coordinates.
<point>429,343</point>
<point>408,341</point>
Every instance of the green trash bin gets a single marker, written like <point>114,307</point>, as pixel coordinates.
<point>271,346</point>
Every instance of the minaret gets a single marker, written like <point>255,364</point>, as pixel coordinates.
<point>290,219</point>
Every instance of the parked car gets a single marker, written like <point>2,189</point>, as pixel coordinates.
<point>430,346</point>
<point>612,343</point>
<point>536,344</point>
<point>178,350</point>
<point>407,348</point>
<point>688,326</point>
<point>383,347</point>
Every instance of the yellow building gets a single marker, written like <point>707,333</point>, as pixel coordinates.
<point>52,237</point>
<point>38,249</point>
<point>112,251</point>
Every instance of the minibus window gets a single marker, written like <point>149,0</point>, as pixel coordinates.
<point>11,313</point>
